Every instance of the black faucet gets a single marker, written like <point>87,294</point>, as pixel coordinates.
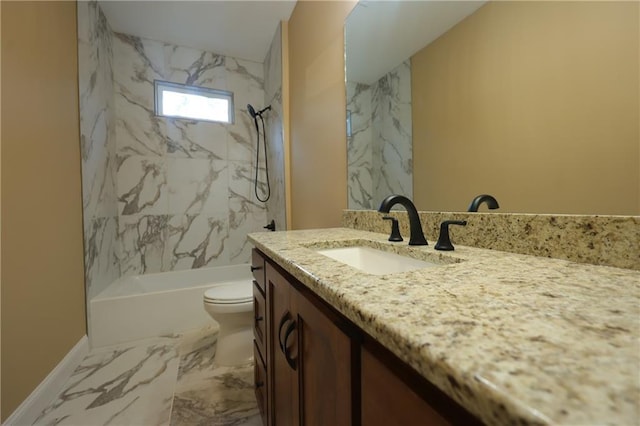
<point>444,243</point>
<point>492,203</point>
<point>417,237</point>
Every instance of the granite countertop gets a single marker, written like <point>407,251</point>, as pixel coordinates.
<point>513,338</point>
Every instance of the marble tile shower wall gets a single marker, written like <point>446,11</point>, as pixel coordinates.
<point>392,135</point>
<point>275,138</point>
<point>185,194</point>
<point>360,147</point>
<point>380,148</point>
<point>162,194</point>
<point>98,147</point>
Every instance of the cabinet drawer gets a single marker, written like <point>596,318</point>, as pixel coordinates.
<point>260,383</point>
<point>257,269</point>
<point>259,319</point>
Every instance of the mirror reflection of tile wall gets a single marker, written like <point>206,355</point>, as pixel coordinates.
<point>535,103</point>
<point>379,150</point>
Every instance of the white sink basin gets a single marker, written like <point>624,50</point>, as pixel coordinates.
<point>375,262</point>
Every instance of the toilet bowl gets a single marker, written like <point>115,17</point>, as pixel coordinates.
<point>231,306</point>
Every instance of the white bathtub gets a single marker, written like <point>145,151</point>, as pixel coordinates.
<point>152,305</point>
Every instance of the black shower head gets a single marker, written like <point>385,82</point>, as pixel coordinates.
<point>252,112</point>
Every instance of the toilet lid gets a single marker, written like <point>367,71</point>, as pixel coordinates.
<point>232,292</point>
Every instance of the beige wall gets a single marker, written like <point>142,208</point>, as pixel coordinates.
<point>318,162</point>
<point>543,116</point>
<point>43,307</point>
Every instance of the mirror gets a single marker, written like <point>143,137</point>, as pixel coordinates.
<point>535,103</point>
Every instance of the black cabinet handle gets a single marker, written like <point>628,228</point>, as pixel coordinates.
<point>286,318</point>
<point>290,329</point>
<point>255,268</point>
<point>283,320</point>
<point>256,315</point>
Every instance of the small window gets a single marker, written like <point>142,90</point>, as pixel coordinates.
<point>193,102</point>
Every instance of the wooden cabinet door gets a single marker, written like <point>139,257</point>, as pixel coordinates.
<point>387,400</point>
<point>324,367</point>
<point>281,376</point>
<point>260,384</point>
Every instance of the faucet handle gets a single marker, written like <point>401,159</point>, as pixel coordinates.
<point>444,243</point>
<point>271,226</point>
<point>395,230</point>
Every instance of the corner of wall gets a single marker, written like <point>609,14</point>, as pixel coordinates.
<point>286,134</point>
<point>317,113</point>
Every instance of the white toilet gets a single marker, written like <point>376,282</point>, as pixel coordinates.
<point>231,306</point>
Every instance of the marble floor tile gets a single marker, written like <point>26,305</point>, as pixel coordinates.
<point>170,380</point>
<point>224,397</point>
<point>208,394</point>
<point>119,385</point>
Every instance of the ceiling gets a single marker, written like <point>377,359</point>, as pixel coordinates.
<point>238,28</point>
<point>245,29</point>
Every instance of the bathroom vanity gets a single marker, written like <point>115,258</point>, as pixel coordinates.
<point>482,337</point>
